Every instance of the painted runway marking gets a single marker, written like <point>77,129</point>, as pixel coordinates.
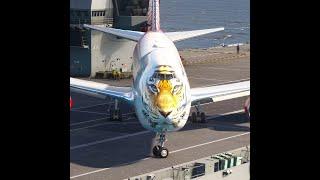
<point>99,170</point>
<point>83,122</point>
<point>226,82</point>
<point>138,133</point>
<point>84,107</point>
<point>179,150</point>
<point>238,128</point>
<point>203,144</point>
<point>91,172</point>
<point>225,114</point>
<point>106,123</point>
<point>108,140</point>
<point>210,79</point>
<point>90,112</point>
<point>231,69</point>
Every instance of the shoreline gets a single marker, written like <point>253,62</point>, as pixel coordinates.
<point>214,54</point>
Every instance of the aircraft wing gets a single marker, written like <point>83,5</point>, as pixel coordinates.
<point>100,89</point>
<point>179,36</point>
<point>136,35</point>
<point>221,92</point>
<point>131,35</point>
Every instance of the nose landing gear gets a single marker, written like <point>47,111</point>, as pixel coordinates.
<point>159,150</point>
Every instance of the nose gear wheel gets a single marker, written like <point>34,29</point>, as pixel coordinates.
<point>160,151</point>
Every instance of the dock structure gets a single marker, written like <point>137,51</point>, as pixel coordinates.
<point>103,149</point>
<point>92,51</point>
<point>231,165</point>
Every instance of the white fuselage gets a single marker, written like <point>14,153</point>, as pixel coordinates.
<point>161,88</point>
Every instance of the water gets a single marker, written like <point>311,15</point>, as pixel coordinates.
<point>183,15</point>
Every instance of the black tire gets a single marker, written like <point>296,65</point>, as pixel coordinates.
<point>164,152</point>
<point>193,117</point>
<point>116,115</point>
<point>111,115</point>
<point>156,151</point>
<point>203,117</point>
<point>120,115</point>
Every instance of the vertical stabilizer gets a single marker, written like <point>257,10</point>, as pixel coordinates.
<point>154,16</point>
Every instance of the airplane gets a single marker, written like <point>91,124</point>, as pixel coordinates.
<point>160,92</point>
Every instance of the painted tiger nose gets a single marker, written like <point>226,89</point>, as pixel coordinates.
<point>165,114</point>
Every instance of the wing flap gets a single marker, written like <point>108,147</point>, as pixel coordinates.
<point>220,92</point>
<point>100,90</point>
<point>127,34</point>
<point>179,36</point>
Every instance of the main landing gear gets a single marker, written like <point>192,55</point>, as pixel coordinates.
<point>198,116</point>
<point>115,113</point>
<point>159,150</point>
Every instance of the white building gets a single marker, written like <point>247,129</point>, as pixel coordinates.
<point>92,51</point>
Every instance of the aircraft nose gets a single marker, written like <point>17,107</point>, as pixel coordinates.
<point>165,114</point>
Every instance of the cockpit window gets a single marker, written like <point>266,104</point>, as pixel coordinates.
<point>161,76</point>
<point>169,76</point>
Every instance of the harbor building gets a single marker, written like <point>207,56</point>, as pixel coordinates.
<point>91,51</point>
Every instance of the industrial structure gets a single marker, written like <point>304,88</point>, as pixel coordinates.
<point>93,52</point>
<point>232,165</point>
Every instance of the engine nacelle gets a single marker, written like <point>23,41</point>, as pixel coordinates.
<point>247,107</point>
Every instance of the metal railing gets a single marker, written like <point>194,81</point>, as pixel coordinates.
<point>93,20</point>
<point>218,163</point>
<point>99,20</point>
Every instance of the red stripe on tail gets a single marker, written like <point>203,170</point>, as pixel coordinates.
<point>154,16</point>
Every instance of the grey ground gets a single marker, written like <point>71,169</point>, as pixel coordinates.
<point>101,149</point>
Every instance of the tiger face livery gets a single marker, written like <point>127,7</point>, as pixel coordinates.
<point>164,99</point>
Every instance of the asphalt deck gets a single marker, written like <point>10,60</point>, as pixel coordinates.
<point>104,149</point>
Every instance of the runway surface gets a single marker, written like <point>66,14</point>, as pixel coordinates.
<point>104,149</point>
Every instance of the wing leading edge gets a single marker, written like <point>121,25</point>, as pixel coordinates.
<point>101,90</point>
<point>179,36</point>
<point>131,35</point>
<point>220,92</point>
<point>136,35</point>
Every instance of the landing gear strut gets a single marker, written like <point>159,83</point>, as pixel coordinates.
<point>115,113</point>
<point>198,116</point>
<point>160,150</point>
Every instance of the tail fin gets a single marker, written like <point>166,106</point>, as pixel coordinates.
<point>154,16</point>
